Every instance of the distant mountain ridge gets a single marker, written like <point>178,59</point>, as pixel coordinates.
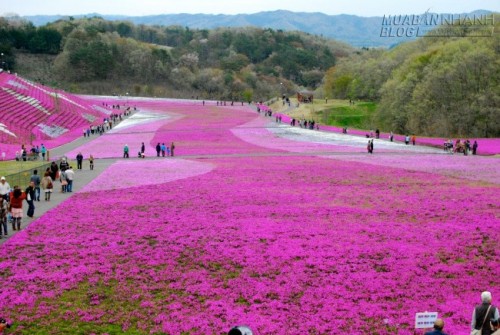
<point>354,30</point>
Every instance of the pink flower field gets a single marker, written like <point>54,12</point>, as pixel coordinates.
<point>251,223</point>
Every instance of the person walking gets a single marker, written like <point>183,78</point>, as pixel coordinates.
<point>30,198</point>
<point>16,207</point>
<point>143,148</point>
<point>172,147</point>
<point>54,171</point>
<point>163,149</point>
<point>3,216</point>
<point>47,185</point>
<point>91,162</point>
<point>158,149</point>
<point>35,178</point>
<point>70,176</point>
<point>4,188</point>
<point>483,315</point>
<point>43,150</point>
<point>64,165</point>
<point>64,181</point>
<point>79,161</point>
<point>474,148</point>
<point>125,151</point>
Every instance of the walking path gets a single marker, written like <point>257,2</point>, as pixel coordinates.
<point>82,178</point>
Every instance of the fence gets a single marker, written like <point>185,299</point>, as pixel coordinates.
<point>22,178</point>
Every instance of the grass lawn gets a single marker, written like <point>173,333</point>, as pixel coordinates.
<point>19,173</point>
<point>332,112</point>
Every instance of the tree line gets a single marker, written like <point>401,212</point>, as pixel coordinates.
<point>225,63</point>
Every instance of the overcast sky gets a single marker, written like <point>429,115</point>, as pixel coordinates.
<point>153,7</point>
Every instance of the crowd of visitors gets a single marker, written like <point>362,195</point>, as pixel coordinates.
<point>460,146</point>
<point>11,203</point>
<point>33,154</point>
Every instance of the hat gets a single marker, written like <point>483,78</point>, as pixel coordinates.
<point>3,178</point>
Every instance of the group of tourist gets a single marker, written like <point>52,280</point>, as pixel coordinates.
<point>460,146</point>
<point>34,153</point>
<point>161,150</point>
<point>11,203</point>
<point>107,123</point>
<point>11,198</point>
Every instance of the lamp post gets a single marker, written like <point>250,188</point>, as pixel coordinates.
<point>127,98</point>
<point>1,60</point>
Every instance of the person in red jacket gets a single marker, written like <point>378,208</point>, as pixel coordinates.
<point>16,203</point>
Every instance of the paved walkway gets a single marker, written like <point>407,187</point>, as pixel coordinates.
<point>82,178</point>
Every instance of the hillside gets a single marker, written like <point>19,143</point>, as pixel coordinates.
<point>355,30</point>
<point>436,86</point>
<point>104,57</point>
<point>31,114</point>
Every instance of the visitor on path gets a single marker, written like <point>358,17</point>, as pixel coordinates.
<point>407,139</point>
<point>438,328</point>
<point>163,149</point>
<point>125,151</point>
<point>35,178</point>
<point>377,133</point>
<point>484,314</point>
<point>158,149</point>
<point>172,147</point>
<point>16,207</point>
<point>79,161</point>
<point>467,147</point>
<point>143,148</point>
<point>47,185</point>
<point>43,150</point>
<point>4,188</point>
<point>413,139</point>
<point>369,147</point>
<point>391,137</point>
<point>3,217</point>
<point>70,176</point>
<point>64,165</point>
<point>64,181</point>
<point>91,162</point>
<point>30,198</point>
<point>474,148</point>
